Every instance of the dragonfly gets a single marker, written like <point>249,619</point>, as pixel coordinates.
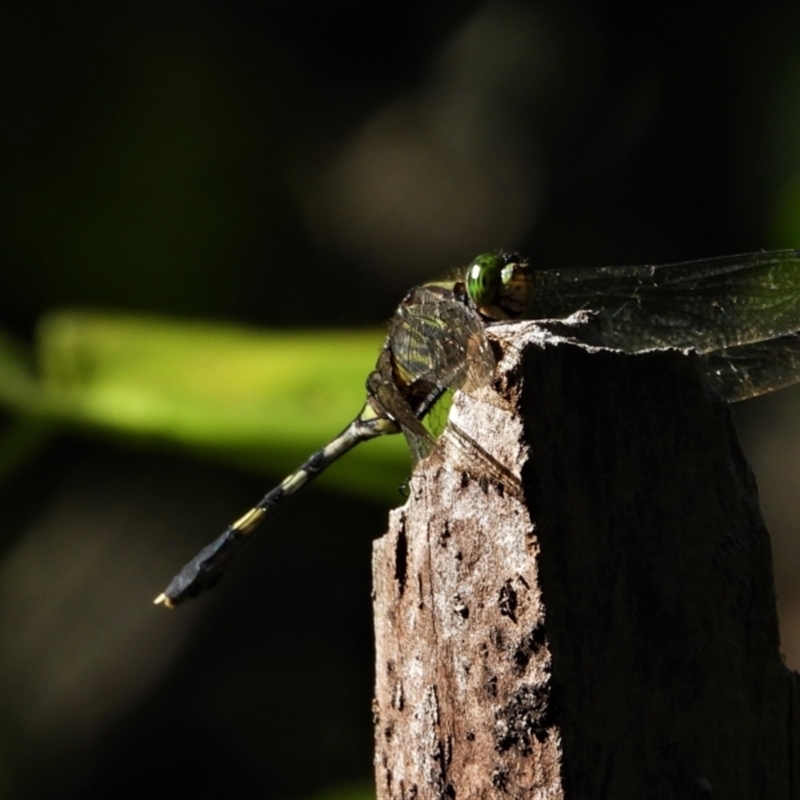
<point>740,314</point>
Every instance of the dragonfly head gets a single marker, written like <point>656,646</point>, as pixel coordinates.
<point>500,285</point>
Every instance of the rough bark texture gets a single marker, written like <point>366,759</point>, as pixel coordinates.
<point>609,631</point>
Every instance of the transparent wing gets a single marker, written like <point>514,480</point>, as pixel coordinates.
<point>437,340</point>
<point>738,373</point>
<point>707,305</point>
<point>479,464</point>
<point>436,343</point>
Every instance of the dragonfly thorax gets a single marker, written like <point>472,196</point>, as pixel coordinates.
<point>500,285</point>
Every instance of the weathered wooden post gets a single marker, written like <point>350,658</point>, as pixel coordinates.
<point>609,631</point>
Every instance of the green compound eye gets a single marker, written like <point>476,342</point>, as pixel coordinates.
<point>484,275</point>
<point>500,285</point>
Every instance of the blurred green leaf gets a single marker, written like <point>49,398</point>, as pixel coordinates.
<point>348,791</point>
<point>255,399</point>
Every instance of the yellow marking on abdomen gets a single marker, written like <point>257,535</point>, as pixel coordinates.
<point>251,518</point>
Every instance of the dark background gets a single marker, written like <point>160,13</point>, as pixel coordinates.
<point>302,164</point>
